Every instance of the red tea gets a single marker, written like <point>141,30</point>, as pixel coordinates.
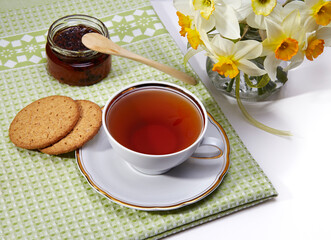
<point>154,120</point>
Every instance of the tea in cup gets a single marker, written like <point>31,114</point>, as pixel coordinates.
<point>156,126</point>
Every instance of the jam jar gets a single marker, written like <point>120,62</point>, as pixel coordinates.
<point>68,60</point>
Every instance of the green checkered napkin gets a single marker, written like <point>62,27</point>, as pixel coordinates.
<point>46,197</point>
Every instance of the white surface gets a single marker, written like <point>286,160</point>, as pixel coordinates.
<point>179,187</point>
<point>299,166</point>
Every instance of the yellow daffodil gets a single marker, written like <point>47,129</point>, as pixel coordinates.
<point>283,42</point>
<point>215,13</point>
<point>230,58</point>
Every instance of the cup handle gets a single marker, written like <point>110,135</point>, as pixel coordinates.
<point>216,143</point>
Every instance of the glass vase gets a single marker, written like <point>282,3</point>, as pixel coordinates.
<point>226,85</point>
<point>247,89</point>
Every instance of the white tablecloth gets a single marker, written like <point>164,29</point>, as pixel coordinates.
<point>298,166</point>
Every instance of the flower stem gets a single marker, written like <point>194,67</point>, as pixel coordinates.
<point>244,32</point>
<point>230,86</point>
<point>251,119</point>
<point>262,34</point>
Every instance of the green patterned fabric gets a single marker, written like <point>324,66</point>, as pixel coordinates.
<point>46,197</point>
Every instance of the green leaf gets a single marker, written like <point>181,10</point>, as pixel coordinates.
<point>261,81</point>
<point>281,75</point>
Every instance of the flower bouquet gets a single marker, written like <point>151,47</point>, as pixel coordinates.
<point>254,42</point>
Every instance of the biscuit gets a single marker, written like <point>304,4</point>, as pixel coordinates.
<point>44,122</point>
<point>86,128</point>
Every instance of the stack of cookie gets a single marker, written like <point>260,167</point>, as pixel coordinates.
<point>56,124</point>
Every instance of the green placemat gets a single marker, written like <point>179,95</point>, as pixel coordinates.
<point>46,197</point>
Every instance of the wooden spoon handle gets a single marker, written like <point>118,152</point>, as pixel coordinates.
<point>162,67</point>
<point>99,43</point>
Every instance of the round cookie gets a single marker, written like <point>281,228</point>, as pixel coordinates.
<point>44,122</point>
<point>86,128</point>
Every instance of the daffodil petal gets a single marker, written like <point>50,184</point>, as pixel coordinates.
<point>273,29</point>
<point>277,14</point>
<point>256,21</point>
<point>270,65</point>
<point>311,3</point>
<point>235,4</point>
<point>184,6</point>
<point>248,49</point>
<point>325,34</point>
<point>222,46</point>
<point>205,39</point>
<point>310,24</point>
<point>243,10</point>
<point>291,23</point>
<point>250,68</point>
<point>203,24</point>
<point>190,53</point>
<point>226,22</point>
<point>309,36</point>
<point>268,47</point>
<point>295,61</point>
<point>295,5</point>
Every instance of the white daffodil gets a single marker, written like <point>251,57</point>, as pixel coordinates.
<point>315,12</point>
<point>255,11</point>
<point>283,42</point>
<point>316,41</point>
<point>218,13</point>
<point>230,57</point>
<point>314,44</point>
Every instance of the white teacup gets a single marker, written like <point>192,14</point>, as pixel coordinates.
<point>155,126</point>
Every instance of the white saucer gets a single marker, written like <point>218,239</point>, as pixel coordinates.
<point>183,185</point>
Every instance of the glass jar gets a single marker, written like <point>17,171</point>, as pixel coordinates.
<point>68,60</point>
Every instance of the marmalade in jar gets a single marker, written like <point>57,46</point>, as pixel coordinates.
<point>68,60</point>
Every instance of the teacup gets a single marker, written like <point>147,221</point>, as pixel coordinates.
<point>155,126</point>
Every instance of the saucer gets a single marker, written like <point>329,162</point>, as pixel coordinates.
<point>185,184</point>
